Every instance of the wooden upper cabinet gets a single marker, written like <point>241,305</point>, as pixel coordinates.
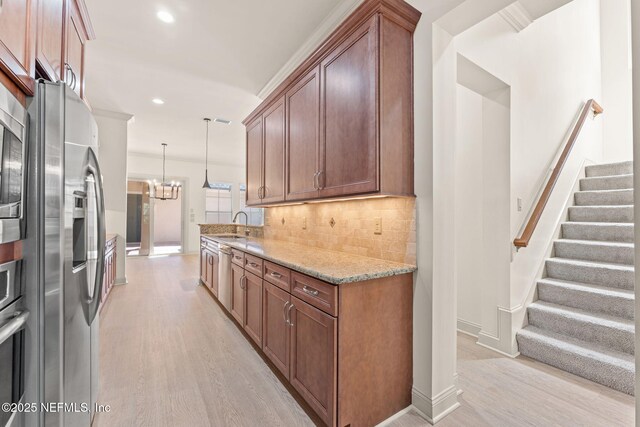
<point>303,137</point>
<point>314,344</point>
<point>254,162</point>
<point>17,42</point>
<point>76,38</point>
<point>273,152</point>
<point>49,49</point>
<point>349,144</point>
<point>349,110</point>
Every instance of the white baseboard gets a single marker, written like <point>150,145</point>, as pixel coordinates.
<point>436,408</point>
<point>469,328</point>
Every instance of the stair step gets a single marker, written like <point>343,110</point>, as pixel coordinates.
<point>615,332</point>
<point>605,232</point>
<point>587,250</point>
<point>615,182</point>
<point>601,213</point>
<point>593,362</point>
<point>620,168</point>
<point>604,198</point>
<point>594,273</point>
<point>592,298</point>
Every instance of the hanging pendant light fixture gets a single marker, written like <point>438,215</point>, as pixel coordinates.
<point>206,157</point>
<point>165,190</point>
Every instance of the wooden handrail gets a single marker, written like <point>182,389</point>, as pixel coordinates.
<point>523,240</point>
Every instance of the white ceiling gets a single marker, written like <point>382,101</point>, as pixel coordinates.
<point>211,62</point>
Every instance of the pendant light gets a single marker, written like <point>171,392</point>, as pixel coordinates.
<point>165,190</point>
<point>206,157</point>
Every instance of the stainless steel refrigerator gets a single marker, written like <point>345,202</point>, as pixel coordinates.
<point>64,256</point>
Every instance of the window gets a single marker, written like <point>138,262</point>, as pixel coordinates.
<point>218,207</point>
<point>254,215</point>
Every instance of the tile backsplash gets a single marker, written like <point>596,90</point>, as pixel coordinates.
<point>255,231</point>
<point>354,227</point>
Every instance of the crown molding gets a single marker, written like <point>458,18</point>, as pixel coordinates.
<point>326,27</point>
<point>112,114</point>
<point>517,16</point>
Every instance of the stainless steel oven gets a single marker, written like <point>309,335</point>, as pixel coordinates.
<point>13,145</point>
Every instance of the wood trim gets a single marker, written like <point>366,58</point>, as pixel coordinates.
<point>10,85</point>
<point>523,240</point>
<point>398,10</point>
<point>86,19</point>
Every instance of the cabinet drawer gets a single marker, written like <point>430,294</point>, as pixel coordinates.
<point>278,275</point>
<point>253,264</point>
<point>238,257</point>
<point>319,294</point>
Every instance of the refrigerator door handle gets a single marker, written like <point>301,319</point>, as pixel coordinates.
<point>93,168</point>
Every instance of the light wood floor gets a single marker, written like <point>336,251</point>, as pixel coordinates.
<point>170,357</point>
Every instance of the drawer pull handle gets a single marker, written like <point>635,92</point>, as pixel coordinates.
<point>310,291</point>
<point>276,275</point>
<point>238,257</point>
<point>253,264</point>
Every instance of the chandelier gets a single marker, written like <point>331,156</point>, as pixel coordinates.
<point>165,190</point>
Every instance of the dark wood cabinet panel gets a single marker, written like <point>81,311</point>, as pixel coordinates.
<point>303,137</point>
<point>273,152</point>
<point>313,357</point>
<point>275,330</point>
<point>49,47</point>
<point>349,154</point>
<point>76,37</point>
<point>254,162</point>
<point>17,42</point>
<point>253,307</point>
<point>237,293</point>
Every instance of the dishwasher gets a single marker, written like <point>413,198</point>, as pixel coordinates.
<point>224,277</point>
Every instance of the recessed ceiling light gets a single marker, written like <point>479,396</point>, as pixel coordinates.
<point>157,101</point>
<point>165,16</point>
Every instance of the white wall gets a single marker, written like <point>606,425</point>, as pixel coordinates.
<point>552,67</point>
<point>167,221</point>
<point>112,136</point>
<point>615,29</point>
<point>192,174</point>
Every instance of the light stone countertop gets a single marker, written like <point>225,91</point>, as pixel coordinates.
<point>331,266</point>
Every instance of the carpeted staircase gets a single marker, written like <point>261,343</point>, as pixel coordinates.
<point>583,321</point>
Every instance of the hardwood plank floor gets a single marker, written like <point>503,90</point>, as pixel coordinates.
<point>169,356</point>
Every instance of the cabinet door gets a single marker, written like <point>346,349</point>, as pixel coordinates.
<point>237,293</point>
<point>254,162</point>
<point>303,137</point>
<point>213,272</point>
<point>17,42</point>
<point>349,140</point>
<point>76,38</point>
<point>50,35</point>
<point>253,307</point>
<point>274,124</point>
<point>275,331</point>
<point>313,357</point>
<point>203,266</point>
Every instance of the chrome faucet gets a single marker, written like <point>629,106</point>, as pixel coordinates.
<point>246,222</point>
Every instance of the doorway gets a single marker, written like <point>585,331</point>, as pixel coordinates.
<point>154,226</point>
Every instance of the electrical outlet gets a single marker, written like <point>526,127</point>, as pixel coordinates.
<point>519,204</point>
<point>304,223</point>
<point>378,225</point>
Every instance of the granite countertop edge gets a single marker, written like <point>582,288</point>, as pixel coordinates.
<point>395,270</point>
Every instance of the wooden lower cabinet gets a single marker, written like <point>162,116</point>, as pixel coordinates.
<point>252,321</point>
<point>346,349</point>
<point>214,264</point>
<point>237,293</point>
<point>314,339</point>
<point>275,329</point>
